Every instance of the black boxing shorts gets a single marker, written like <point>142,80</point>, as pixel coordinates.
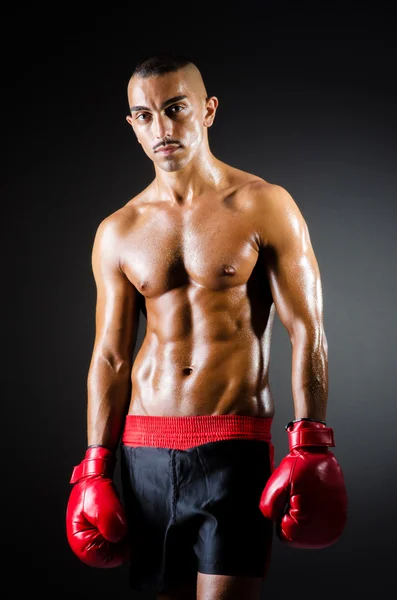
<point>191,488</point>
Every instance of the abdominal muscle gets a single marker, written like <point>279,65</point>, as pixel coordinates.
<point>219,366</point>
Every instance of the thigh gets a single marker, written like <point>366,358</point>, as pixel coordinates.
<point>234,537</point>
<point>162,558</point>
<point>228,587</point>
<point>216,587</point>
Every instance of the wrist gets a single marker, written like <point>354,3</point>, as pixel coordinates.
<point>303,419</point>
<point>98,461</point>
<point>99,446</point>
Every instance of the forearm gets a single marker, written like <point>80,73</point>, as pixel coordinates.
<point>310,376</point>
<point>108,388</point>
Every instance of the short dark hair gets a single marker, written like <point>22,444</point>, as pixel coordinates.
<point>162,62</point>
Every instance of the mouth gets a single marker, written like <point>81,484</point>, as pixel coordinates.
<point>168,149</point>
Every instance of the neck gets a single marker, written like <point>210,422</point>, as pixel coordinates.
<point>204,173</point>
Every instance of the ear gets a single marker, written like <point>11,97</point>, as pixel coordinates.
<point>130,122</point>
<point>211,106</point>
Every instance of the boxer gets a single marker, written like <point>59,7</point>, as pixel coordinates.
<point>208,253</point>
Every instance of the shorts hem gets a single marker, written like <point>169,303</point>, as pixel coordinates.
<point>219,568</point>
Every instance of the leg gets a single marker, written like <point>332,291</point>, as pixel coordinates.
<point>184,591</point>
<point>228,587</point>
<point>234,545</point>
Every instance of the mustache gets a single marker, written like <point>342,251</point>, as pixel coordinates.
<point>165,143</point>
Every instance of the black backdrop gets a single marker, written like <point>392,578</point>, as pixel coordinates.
<point>307,100</point>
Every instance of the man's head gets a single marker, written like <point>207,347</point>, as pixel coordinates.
<point>169,106</point>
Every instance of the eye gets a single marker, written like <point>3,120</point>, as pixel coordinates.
<point>174,109</point>
<point>143,115</point>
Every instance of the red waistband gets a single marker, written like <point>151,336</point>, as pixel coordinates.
<point>185,432</point>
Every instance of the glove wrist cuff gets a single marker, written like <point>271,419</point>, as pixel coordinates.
<point>311,437</point>
<point>309,433</point>
<point>98,460</point>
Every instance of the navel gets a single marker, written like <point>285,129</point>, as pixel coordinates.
<point>187,371</point>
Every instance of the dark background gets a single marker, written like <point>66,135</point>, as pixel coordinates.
<point>307,100</point>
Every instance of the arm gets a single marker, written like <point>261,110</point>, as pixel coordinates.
<point>96,523</point>
<point>116,321</point>
<point>306,494</point>
<point>295,283</point>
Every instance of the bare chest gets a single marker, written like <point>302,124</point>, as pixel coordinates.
<point>215,249</point>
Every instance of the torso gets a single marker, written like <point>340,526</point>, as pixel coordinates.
<point>209,307</point>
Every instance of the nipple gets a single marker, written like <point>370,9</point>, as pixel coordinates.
<point>229,270</point>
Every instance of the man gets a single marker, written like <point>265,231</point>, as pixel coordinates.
<point>213,252</point>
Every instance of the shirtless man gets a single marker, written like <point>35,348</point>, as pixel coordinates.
<point>208,252</point>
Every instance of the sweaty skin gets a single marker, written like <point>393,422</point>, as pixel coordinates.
<point>208,253</point>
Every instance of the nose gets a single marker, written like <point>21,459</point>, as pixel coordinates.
<point>163,127</point>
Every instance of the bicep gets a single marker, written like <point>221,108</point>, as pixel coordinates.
<point>117,301</point>
<point>292,267</point>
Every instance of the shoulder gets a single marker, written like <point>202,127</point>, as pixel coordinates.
<point>268,195</point>
<point>275,212</point>
<point>115,225</point>
<point>261,193</point>
<point>108,231</point>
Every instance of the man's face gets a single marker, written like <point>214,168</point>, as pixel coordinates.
<point>169,115</point>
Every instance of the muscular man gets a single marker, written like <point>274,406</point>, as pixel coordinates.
<point>209,253</point>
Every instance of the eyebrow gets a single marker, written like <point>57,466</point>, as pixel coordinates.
<point>163,105</point>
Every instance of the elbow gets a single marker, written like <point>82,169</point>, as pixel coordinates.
<point>310,335</point>
<point>112,362</point>
<point>324,344</point>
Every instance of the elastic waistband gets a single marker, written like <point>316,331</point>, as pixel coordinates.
<point>185,432</point>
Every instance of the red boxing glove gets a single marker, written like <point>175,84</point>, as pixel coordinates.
<point>306,495</point>
<point>96,524</point>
